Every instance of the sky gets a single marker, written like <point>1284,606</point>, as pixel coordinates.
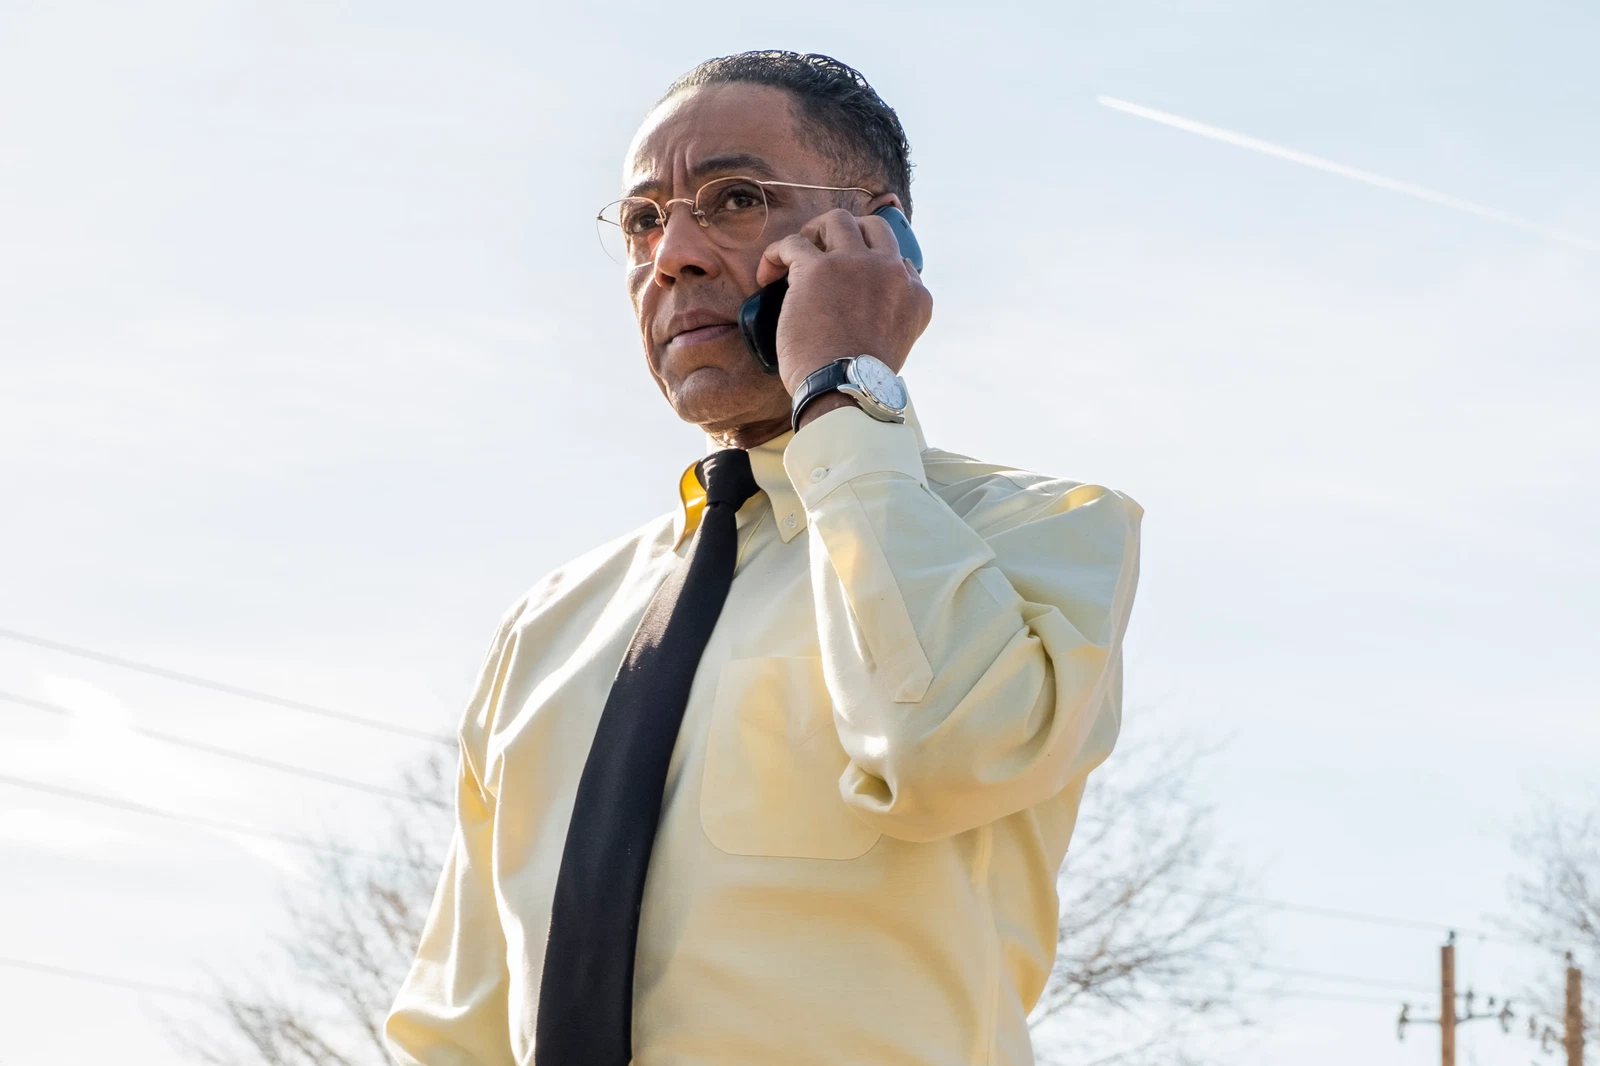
<point>312,364</point>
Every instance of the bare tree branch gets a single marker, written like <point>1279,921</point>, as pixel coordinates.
<point>1153,935</point>
<point>1556,899</point>
<point>350,943</point>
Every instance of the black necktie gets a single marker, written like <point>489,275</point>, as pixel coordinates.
<point>586,996</point>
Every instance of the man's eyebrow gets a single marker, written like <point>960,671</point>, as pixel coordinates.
<point>733,163</point>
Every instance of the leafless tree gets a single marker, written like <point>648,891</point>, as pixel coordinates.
<point>1556,900</point>
<point>1152,938</point>
<point>350,942</point>
<point>1156,930</point>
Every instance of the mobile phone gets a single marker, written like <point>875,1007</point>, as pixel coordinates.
<point>758,315</point>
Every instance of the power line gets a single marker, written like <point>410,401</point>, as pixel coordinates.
<point>1357,916</point>
<point>1339,978</point>
<point>220,686</point>
<point>239,756</point>
<point>1331,997</point>
<point>197,819</point>
<point>1323,975</point>
<point>1288,993</point>
<point>104,979</point>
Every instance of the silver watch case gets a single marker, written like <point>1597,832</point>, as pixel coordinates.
<point>879,390</point>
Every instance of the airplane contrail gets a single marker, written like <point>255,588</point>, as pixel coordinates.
<point>1366,177</point>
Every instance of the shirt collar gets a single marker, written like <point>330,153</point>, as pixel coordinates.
<point>766,463</point>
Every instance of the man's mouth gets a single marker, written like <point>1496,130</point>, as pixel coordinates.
<point>701,335</point>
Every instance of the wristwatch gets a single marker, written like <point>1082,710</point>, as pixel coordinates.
<point>864,379</point>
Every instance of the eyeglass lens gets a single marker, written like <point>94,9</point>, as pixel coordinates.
<point>732,210</point>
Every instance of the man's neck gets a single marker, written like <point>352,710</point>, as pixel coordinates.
<point>750,436</point>
<point>757,434</point>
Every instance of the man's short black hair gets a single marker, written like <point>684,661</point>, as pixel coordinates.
<point>839,113</point>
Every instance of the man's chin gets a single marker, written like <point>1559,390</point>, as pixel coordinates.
<point>717,399</point>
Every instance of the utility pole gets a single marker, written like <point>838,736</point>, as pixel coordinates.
<point>1447,1002</point>
<point>1574,1021</point>
<point>1448,1018</point>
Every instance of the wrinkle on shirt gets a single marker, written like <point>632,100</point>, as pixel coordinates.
<point>876,778</point>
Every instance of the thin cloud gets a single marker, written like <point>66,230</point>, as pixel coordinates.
<point>56,832</point>
<point>1366,177</point>
<point>99,750</point>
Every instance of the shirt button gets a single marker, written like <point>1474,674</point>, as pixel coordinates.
<point>790,520</point>
<point>819,473</point>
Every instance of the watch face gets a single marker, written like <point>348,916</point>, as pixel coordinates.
<point>879,382</point>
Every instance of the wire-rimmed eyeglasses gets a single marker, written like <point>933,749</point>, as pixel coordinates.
<point>733,211</point>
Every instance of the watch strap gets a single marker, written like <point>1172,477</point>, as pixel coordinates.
<point>819,383</point>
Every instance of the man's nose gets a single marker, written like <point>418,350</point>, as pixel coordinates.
<point>685,248</point>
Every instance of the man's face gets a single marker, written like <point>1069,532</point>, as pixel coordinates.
<point>715,131</point>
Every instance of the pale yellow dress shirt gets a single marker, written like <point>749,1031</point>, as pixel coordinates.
<point>874,784</point>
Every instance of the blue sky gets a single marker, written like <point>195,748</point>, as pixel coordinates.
<point>312,364</point>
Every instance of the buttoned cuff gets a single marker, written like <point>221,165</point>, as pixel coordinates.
<point>843,445</point>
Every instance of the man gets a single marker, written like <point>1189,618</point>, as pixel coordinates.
<point>787,775</point>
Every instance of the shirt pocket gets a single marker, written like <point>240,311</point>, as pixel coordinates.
<point>773,763</point>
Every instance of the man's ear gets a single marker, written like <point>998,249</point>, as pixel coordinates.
<point>885,198</point>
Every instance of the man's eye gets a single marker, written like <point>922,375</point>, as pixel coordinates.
<point>739,198</point>
<point>638,221</point>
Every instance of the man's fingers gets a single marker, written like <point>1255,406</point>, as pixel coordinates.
<point>833,231</point>
<point>780,256</point>
<point>836,230</point>
<point>879,235</point>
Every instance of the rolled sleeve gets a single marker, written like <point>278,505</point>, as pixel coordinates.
<point>973,659</point>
